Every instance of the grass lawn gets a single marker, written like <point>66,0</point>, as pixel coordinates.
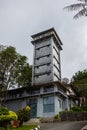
<point>24,127</point>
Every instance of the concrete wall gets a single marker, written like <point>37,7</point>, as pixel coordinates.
<point>43,78</point>
<point>42,62</point>
<point>42,51</point>
<point>43,69</point>
<point>46,60</point>
<point>16,105</point>
<point>56,61</point>
<point>40,107</point>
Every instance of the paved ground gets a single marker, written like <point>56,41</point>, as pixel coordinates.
<point>77,125</point>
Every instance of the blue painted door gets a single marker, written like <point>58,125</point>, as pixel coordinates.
<point>33,106</point>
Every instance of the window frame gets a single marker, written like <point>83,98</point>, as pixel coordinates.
<point>48,104</point>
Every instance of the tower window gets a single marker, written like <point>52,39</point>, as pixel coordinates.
<point>48,89</point>
<point>38,58</point>
<point>48,55</point>
<point>37,76</point>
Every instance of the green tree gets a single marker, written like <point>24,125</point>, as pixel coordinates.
<point>81,7</point>
<point>14,70</point>
<point>79,80</point>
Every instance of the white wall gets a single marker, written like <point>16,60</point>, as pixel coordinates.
<point>40,107</point>
<point>43,78</point>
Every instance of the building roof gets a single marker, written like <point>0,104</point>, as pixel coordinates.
<point>46,34</point>
<point>33,87</point>
<point>70,86</point>
<point>50,83</point>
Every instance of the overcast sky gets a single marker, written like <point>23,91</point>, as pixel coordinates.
<point>19,19</point>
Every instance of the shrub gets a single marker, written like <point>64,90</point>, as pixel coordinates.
<point>84,107</point>
<point>23,115</point>
<point>56,116</point>
<point>3,110</point>
<point>77,108</point>
<point>6,116</point>
<point>73,115</point>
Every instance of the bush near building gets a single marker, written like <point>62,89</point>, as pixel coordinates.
<point>75,114</point>
<point>6,116</point>
<point>79,108</point>
<point>23,115</point>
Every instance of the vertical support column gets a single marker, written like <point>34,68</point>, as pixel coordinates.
<point>40,107</point>
<point>59,65</point>
<point>67,104</point>
<point>33,68</point>
<point>52,59</point>
<point>56,105</point>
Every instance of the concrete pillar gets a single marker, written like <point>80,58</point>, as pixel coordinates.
<point>40,107</point>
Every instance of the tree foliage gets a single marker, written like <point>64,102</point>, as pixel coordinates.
<point>14,69</point>
<point>81,7</point>
<point>79,80</point>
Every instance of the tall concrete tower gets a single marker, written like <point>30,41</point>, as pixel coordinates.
<point>46,64</point>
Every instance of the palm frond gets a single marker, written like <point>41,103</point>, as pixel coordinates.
<point>81,13</point>
<point>83,0</point>
<point>75,6</point>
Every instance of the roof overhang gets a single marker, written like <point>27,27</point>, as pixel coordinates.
<point>46,34</point>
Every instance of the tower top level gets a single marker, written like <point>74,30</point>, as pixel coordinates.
<point>47,34</point>
<point>46,63</point>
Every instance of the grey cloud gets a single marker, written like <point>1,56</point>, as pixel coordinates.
<point>19,19</point>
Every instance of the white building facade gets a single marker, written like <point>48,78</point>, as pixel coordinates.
<point>46,74</point>
<point>47,96</point>
<point>46,63</point>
